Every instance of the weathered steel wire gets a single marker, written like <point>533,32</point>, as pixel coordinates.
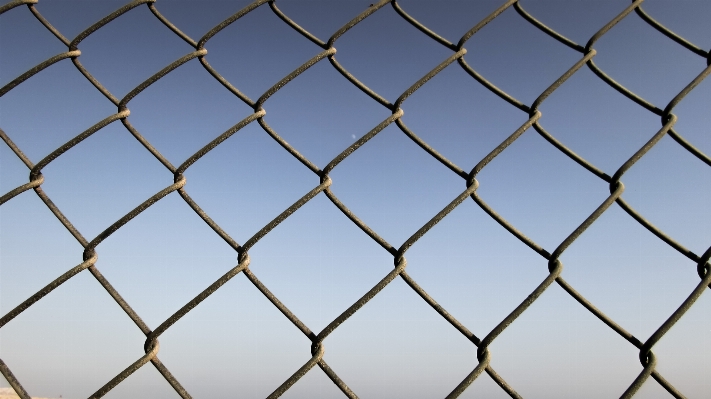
<point>554,265</point>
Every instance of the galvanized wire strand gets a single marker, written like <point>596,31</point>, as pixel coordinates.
<point>598,313</point>
<point>147,145</point>
<point>492,87</point>
<point>555,85</point>
<point>608,202</point>
<point>214,143</point>
<point>173,28</point>
<point>21,189</point>
<point>595,37</point>
<point>298,374</point>
<point>89,253</point>
<point>483,354</point>
<point>365,89</point>
<point>225,83</point>
<point>460,327</point>
<point>436,219</point>
<point>587,222</point>
<point>666,385</point>
<point>12,380</point>
<point>227,22</point>
<point>462,386</point>
<point>616,184</point>
<point>207,219</point>
<point>646,357</point>
<point>417,24</point>
<point>623,90</point>
<point>291,150</point>
<point>296,27</point>
<point>400,266</point>
<point>504,144</point>
<point>646,349</point>
<point>60,216</point>
<point>336,380</point>
<point>678,138</point>
<point>649,365</point>
<point>427,31</point>
<point>459,54</point>
<point>36,182</point>
<point>688,88</point>
<point>90,259</point>
<point>540,25</point>
<point>11,144</point>
<point>359,143</point>
<point>137,210</point>
<point>282,216</point>
<point>150,354</point>
<point>47,25</point>
<point>89,263</point>
<point>441,158</point>
<point>656,231</point>
<point>367,230</point>
<point>36,69</point>
<point>47,289</point>
<point>170,378</point>
<point>399,258</point>
<point>509,227</point>
<point>436,306</point>
<point>570,153</point>
<point>542,97</point>
<point>298,71</point>
<point>90,256</point>
<point>103,90</point>
<point>243,264</point>
<point>93,28</point>
<point>559,37</point>
<point>37,169</point>
<point>668,33</point>
<point>555,268</point>
<point>15,3</point>
<point>646,105</point>
<point>483,23</point>
<point>279,305</point>
<point>153,335</point>
<point>180,61</point>
<point>690,147</point>
<point>640,153</point>
<point>325,181</point>
<point>353,22</point>
<point>303,328</point>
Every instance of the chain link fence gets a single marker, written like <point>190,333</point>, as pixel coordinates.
<point>552,256</point>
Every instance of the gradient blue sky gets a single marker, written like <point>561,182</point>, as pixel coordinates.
<point>317,262</point>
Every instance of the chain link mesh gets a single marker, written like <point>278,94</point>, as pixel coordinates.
<point>555,267</point>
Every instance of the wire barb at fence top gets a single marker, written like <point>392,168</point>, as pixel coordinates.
<point>552,258</point>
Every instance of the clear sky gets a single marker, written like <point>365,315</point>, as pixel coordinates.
<point>317,262</point>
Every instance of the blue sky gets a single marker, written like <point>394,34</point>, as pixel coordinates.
<point>317,262</point>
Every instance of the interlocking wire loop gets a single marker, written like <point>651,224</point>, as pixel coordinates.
<point>318,339</point>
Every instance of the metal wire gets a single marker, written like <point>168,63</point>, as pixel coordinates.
<point>555,267</point>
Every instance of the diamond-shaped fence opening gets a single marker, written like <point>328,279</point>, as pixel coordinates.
<point>631,234</point>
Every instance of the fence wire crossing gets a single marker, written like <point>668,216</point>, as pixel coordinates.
<point>555,267</point>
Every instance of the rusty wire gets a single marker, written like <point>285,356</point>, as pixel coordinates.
<point>555,266</point>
